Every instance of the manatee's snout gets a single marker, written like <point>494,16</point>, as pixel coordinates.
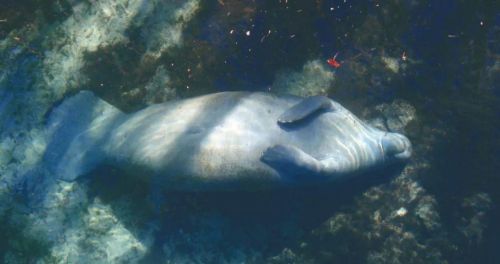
<point>397,146</point>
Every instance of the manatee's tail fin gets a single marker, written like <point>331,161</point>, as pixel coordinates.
<point>78,128</point>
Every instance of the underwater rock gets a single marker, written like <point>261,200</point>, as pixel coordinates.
<point>164,26</point>
<point>6,148</point>
<point>473,222</point>
<point>100,237</point>
<point>427,213</point>
<point>393,117</point>
<point>287,256</point>
<point>159,89</point>
<point>391,63</point>
<point>314,79</point>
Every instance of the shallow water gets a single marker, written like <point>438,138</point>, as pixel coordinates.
<point>428,70</point>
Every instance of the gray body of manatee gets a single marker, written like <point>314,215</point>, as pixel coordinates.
<point>222,141</point>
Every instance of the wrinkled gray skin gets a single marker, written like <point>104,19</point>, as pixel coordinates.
<point>229,141</point>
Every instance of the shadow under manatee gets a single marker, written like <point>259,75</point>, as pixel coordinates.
<point>225,221</point>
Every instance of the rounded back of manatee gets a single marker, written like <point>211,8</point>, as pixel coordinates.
<point>222,141</point>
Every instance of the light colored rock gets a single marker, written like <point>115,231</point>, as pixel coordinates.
<point>401,212</point>
<point>99,237</point>
<point>426,211</point>
<point>163,28</point>
<point>477,207</point>
<point>314,79</point>
<point>397,115</point>
<point>159,88</point>
<point>391,64</point>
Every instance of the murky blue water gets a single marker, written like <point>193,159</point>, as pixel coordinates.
<point>427,69</point>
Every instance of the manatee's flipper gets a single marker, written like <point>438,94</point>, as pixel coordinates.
<point>77,129</point>
<point>292,162</point>
<point>305,108</point>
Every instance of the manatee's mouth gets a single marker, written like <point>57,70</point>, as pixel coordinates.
<point>406,154</point>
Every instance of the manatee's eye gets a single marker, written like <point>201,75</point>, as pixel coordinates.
<point>396,145</point>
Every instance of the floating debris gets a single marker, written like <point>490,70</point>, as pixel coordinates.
<point>333,61</point>
<point>265,36</point>
<point>403,56</point>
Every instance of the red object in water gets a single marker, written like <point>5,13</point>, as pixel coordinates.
<point>333,61</point>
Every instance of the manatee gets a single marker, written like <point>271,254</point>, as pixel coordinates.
<point>220,141</point>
